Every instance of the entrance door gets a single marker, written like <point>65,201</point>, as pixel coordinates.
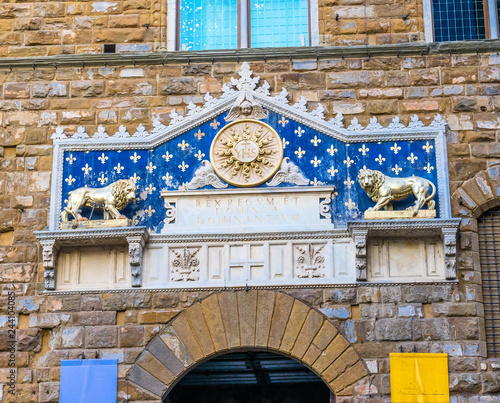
<point>250,377</point>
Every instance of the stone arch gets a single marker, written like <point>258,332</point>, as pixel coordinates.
<point>477,195</point>
<point>259,320</point>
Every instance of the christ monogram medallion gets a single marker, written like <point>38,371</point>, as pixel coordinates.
<point>246,153</point>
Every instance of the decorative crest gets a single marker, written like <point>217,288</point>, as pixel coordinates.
<point>59,134</point>
<point>81,134</point>
<point>246,82</point>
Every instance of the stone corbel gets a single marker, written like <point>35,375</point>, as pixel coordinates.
<point>450,253</point>
<point>50,250</point>
<point>135,247</point>
<point>359,237</point>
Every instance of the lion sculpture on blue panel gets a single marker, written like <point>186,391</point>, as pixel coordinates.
<point>111,199</point>
<point>384,189</point>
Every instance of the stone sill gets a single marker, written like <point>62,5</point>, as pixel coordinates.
<point>263,54</point>
<point>405,228</point>
<point>104,236</point>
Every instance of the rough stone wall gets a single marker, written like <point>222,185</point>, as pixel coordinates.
<point>377,320</point>
<point>32,28</point>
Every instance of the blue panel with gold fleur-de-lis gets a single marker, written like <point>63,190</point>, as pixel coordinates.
<point>321,159</point>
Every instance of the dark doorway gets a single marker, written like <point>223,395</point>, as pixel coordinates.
<point>250,377</point>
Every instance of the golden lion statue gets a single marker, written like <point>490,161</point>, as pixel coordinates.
<point>383,189</point>
<point>111,198</point>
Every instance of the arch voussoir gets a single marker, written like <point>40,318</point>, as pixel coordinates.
<point>296,320</point>
<point>237,320</point>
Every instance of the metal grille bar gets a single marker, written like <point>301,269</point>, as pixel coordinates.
<point>489,250</point>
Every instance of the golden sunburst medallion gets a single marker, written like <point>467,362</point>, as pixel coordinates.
<point>246,153</point>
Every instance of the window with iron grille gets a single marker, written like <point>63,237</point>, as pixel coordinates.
<point>489,250</point>
<point>456,20</point>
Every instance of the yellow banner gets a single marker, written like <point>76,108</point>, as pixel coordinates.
<point>419,378</point>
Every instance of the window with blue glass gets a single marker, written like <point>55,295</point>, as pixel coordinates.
<point>226,24</point>
<point>457,20</point>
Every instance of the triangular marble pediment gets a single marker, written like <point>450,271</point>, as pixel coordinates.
<point>319,152</point>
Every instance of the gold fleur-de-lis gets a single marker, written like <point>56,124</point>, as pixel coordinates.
<point>363,150</point>
<point>285,143</point>
<point>283,121</point>
<point>428,168</point>
<point>86,169</point>
<point>332,150</point>
<point>315,141</point>
<point>348,162</point>
<point>103,158</point>
<point>348,182</point>
<point>183,166</point>
<point>167,156</point>
<point>183,186</point>
<point>102,179</point>
<point>150,189</point>
<point>119,168</point>
<point>334,194</point>
<point>199,155</point>
<point>150,167</point>
<point>150,211</point>
<point>350,204</point>
<point>299,153</point>
<point>380,159</point>
<point>332,171</point>
<point>167,178</point>
<point>412,158</point>
<point>215,124</point>
<point>183,145</point>
<point>299,131</point>
<point>315,182</point>
<point>396,148</point>
<point>199,134</point>
<point>70,180</point>
<point>135,178</point>
<point>70,159</point>
<point>135,157</point>
<point>427,147</point>
<point>396,169</point>
<point>315,162</point>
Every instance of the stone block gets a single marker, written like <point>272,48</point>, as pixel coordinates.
<point>393,329</point>
<point>131,336</point>
<point>166,356</point>
<point>145,380</point>
<point>16,90</point>
<point>213,318</point>
<point>91,302</point>
<point>350,376</point>
<point>295,322</point>
<point>199,327</point>
<point>72,337</point>
<point>29,340</point>
<point>265,301</point>
<point>282,309</point>
<point>178,86</point>
<point>101,337</point>
<point>491,382</point>
<point>49,392</point>
<point>87,88</point>
<point>338,345</point>
<point>94,318</point>
<point>229,311</point>
<point>247,312</point>
<point>465,383</point>
<point>433,329</point>
<point>184,332</point>
<point>155,367</point>
<point>173,342</point>
<point>311,327</point>
<point>339,366</point>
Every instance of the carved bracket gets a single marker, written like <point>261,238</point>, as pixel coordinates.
<point>359,237</point>
<point>50,250</point>
<point>450,253</point>
<point>135,246</point>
